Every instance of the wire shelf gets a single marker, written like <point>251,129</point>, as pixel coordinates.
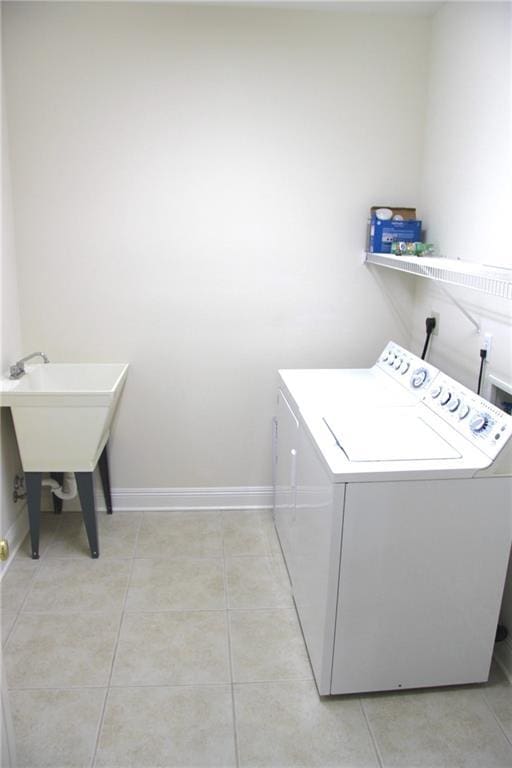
<point>496,281</point>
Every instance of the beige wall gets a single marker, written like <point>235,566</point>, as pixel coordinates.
<point>10,337</point>
<point>191,187</point>
<point>466,195</point>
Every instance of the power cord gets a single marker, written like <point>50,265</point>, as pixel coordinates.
<point>483,355</point>
<point>430,324</point>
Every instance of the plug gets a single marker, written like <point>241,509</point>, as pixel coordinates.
<point>430,324</point>
<point>487,344</point>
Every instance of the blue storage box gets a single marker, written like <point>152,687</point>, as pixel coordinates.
<point>383,233</point>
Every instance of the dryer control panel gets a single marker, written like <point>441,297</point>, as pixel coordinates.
<point>479,421</point>
<point>407,369</point>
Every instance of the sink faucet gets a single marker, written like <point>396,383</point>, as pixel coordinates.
<point>17,370</point>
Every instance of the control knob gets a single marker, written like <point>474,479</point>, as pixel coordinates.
<point>419,378</point>
<point>479,423</point>
<point>405,367</point>
<point>454,405</point>
<point>446,397</point>
<point>398,363</point>
<point>392,358</point>
<point>436,392</point>
<point>464,410</point>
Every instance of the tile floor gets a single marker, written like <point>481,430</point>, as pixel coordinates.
<point>180,647</point>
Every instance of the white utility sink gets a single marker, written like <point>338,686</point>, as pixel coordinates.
<point>62,413</point>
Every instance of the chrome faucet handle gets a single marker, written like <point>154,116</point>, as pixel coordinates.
<point>17,370</point>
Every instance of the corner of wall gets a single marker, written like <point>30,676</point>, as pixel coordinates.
<point>11,518</point>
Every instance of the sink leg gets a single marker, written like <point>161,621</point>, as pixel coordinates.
<point>57,503</point>
<point>84,480</point>
<point>33,486</point>
<point>105,479</point>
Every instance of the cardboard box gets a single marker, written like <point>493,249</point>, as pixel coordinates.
<point>383,233</point>
<point>404,213</point>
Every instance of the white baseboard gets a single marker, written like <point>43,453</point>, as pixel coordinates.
<point>15,535</point>
<point>173,499</point>
<point>503,656</point>
<point>153,499</point>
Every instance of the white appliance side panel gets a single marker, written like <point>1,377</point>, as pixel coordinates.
<point>315,557</point>
<point>423,566</point>
<point>285,471</point>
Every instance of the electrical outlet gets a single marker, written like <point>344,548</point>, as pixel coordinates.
<point>435,332</point>
<point>487,343</point>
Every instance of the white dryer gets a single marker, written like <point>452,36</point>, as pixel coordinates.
<point>396,527</point>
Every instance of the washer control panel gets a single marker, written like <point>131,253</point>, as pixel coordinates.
<point>479,421</point>
<point>410,371</point>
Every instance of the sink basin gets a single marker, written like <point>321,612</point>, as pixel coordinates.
<point>62,413</point>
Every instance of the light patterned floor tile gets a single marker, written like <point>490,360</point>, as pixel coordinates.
<point>288,725</point>
<point>16,583</point>
<point>172,648</point>
<point>7,619</point>
<point>246,533</point>
<point>257,582</point>
<point>187,727</point>
<point>79,584</point>
<point>181,584</point>
<point>267,645</point>
<point>56,728</point>
<point>117,534</point>
<point>49,526</point>
<point>444,729</point>
<point>180,534</point>
<point>498,694</point>
<point>61,650</point>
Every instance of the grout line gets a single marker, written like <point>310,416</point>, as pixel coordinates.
<point>279,680</point>
<point>98,612</point>
<point>29,588</point>
<point>289,607</point>
<point>116,645</point>
<point>496,718</point>
<point>10,632</point>
<point>120,686</point>
<point>373,739</point>
<point>230,660</point>
<point>57,687</point>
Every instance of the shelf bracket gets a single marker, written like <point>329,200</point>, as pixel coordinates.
<point>439,270</point>
<point>453,300</point>
<point>459,306</point>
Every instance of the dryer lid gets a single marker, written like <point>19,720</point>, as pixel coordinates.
<point>390,435</point>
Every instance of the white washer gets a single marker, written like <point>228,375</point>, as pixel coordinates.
<point>396,527</point>
<point>398,377</point>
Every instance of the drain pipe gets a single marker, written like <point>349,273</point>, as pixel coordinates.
<point>68,489</point>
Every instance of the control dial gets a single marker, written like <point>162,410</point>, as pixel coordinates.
<point>419,378</point>
<point>454,405</point>
<point>405,368</point>
<point>463,412</point>
<point>479,423</point>
<point>446,397</point>
<point>398,363</point>
<point>435,392</point>
<point>392,358</point>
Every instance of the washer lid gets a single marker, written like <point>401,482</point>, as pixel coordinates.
<point>390,435</point>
